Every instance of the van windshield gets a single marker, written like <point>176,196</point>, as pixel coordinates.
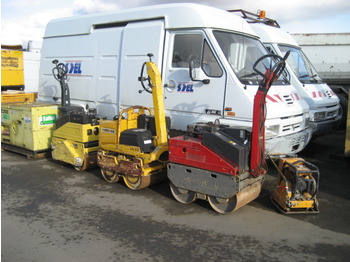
<point>242,52</point>
<point>301,66</point>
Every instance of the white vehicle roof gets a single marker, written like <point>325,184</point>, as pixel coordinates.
<point>176,16</point>
<point>270,34</point>
<point>323,39</point>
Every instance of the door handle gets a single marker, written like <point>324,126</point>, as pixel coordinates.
<point>170,86</point>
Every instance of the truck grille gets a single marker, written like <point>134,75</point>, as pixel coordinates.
<point>291,128</point>
<point>328,93</point>
<point>288,99</point>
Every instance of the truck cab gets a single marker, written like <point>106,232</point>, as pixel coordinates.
<point>206,57</point>
<point>323,102</point>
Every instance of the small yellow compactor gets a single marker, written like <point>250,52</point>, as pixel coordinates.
<point>134,146</point>
<point>297,185</point>
<point>75,139</point>
<point>76,144</point>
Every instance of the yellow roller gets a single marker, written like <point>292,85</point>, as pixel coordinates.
<point>134,146</point>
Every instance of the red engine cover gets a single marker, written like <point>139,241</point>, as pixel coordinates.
<point>191,152</point>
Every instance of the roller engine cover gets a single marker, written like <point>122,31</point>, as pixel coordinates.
<point>141,138</point>
<point>197,129</point>
<point>228,148</point>
<point>148,122</point>
<point>75,114</point>
<point>230,143</point>
<point>240,135</point>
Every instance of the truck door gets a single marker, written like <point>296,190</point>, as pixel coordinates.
<point>200,98</point>
<point>139,39</point>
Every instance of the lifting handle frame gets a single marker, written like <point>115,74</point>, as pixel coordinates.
<point>60,74</point>
<point>257,154</point>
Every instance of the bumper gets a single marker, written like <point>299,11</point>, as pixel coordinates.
<point>290,144</point>
<point>325,127</point>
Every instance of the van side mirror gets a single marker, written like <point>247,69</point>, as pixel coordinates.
<point>195,73</point>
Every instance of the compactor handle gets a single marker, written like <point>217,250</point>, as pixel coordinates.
<point>59,71</point>
<point>60,74</point>
<point>142,79</point>
<point>272,72</point>
<point>257,156</point>
<point>155,87</point>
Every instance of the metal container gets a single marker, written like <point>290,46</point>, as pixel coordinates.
<point>12,70</point>
<point>27,128</point>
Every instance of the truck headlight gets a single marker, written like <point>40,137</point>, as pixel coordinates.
<point>319,116</point>
<point>271,131</point>
<point>307,122</point>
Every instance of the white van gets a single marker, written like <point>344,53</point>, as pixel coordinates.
<point>31,63</point>
<point>104,54</point>
<point>323,102</point>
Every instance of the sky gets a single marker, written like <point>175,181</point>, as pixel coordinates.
<point>23,20</point>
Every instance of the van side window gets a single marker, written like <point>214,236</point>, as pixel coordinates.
<point>187,47</point>
<point>210,65</point>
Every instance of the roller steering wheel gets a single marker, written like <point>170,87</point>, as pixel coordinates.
<point>142,79</point>
<point>59,71</point>
<point>276,69</point>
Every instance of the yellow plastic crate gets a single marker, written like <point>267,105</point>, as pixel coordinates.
<point>18,97</point>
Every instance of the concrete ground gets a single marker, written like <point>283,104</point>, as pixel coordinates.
<point>51,212</point>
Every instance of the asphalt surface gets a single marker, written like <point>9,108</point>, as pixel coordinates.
<point>51,212</point>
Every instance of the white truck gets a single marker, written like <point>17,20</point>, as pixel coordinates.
<point>31,63</point>
<point>330,53</point>
<point>324,105</point>
<point>205,56</point>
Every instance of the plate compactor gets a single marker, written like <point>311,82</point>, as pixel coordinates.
<point>134,146</point>
<point>75,139</point>
<point>222,164</point>
<point>297,185</point>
